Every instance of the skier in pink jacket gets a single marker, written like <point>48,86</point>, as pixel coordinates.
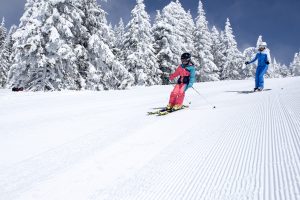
<point>186,73</point>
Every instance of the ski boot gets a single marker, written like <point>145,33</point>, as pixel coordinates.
<point>169,107</point>
<point>176,107</point>
<point>260,89</point>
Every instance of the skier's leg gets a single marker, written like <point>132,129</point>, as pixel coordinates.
<point>258,70</point>
<point>261,76</point>
<point>174,95</point>
<point>181,95</point>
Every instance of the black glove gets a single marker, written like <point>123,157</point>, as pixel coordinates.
<point>247,63</point>
<point>267,62</point>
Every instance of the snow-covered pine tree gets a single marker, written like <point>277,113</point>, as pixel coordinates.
<point>295,65</point>
<point>284,71</point>
<point>172,31</point>
<point>190,29</point>
<point>271,72</point>
<point>234,59</point>
<point>52,48</point>
<point>3,33</point>
<point>203,48</point>
<point>259,41</point>
<point>119,38</point>
<point>48,41</point>
<point>111,36</point>
<point>4,55</point>
<point>276,67</point>
<point>4,66</point>
<point>9,40</point>
<point>139,54</point>
<point>108,73</point>
<point>217,49</point>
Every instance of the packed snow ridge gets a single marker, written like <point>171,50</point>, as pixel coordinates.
<point>102,145</point>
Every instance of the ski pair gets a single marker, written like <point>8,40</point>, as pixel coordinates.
<point>260,89</point>
<point>165,111</point>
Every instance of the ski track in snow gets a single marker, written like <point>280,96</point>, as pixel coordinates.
<point>24,174</point>
<point>247,148</point>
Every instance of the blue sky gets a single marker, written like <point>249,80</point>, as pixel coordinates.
<point>278,21</point>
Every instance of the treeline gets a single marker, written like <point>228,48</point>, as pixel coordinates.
<point>68,44</point>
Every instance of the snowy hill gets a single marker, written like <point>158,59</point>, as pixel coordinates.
<point>102,145</point>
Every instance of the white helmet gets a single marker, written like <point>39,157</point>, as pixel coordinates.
<point>262,44</point>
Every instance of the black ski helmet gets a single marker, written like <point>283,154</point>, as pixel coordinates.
<point>186,56</point>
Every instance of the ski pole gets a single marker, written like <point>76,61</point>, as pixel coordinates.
<point>203,98</point>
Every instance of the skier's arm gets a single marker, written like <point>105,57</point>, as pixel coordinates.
<point>192,78</point>
<point>256,57</point>
<point>175,74</point>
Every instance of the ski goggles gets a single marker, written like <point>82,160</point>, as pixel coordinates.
<point>185,61</point>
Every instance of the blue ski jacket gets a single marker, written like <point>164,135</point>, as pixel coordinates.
<point>191,69</point>
<point>262,58</point>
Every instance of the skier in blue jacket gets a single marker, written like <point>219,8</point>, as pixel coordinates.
<point>263,57</point>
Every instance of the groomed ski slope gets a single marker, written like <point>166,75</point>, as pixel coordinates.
<point>102,145</point>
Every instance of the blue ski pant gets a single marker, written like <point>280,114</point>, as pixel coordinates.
<point>259,76</point>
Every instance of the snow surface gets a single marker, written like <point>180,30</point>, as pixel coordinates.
<point>102,145</point>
